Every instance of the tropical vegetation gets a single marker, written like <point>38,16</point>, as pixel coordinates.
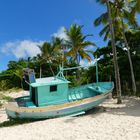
<point>120,58</point>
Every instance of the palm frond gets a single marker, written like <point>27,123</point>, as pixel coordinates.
<point>84,55</point>
<point>104,30</point>
<point>101,1</point>
<point>102,19</point>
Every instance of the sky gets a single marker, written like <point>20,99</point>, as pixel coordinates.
<point>24,24</point>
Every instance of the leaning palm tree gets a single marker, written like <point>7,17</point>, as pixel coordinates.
<point>120,11</point>
<point>135,8</point>
<point>117,74</point>
<point>111,30</point>
<point>77,45</point>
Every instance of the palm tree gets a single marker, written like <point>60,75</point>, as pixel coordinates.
<point>111,30</point>
<point>135,8</point>
<point>77,45</point>
<point>60,50</point>
<point>117,74</point>
<point>47,54</point>
<point>122,14</point>
<point>120,11</point>
<point>39,61</point>
<point>51,52</point>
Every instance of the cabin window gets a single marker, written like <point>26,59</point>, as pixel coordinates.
<point>53,88</point>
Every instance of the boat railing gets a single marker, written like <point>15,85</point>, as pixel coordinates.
<point>76,93</point>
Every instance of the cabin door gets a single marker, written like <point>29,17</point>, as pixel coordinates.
<point>33,95</point>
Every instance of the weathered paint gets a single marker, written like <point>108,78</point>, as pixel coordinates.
<point>57,112</point>
<point>79,99</point>
<point>49,81</point>
<point>45,97</point>
<point>42,94</point>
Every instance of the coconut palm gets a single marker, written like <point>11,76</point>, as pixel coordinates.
<point>60,50</point>
<point>51,52</point>
<point>38,60</point>
<point>135,8</point>
<point>117,74</point>
<point>77,45</point>
<point>47,54</point>
<point>112,34</point>
<point>121,15</point>
<point>120,11</point>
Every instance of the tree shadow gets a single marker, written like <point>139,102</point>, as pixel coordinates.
<point>129,107</point>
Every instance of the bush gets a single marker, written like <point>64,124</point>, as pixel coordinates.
<point>4,85</point>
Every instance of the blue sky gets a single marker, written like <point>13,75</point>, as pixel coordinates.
<point>25,23</point>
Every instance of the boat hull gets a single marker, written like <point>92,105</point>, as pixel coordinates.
<point>71,108</point>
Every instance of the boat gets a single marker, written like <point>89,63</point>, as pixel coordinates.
<point>51,97</point>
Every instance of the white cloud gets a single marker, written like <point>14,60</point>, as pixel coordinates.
<point>91,47</point>
<point>21,49</point>
<point>86,63</point>
<point>61,33</point>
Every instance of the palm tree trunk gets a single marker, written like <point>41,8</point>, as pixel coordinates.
<point>130,60</point>
<point>51,69</point>
<point>117,74</point>
<point>78,71</point>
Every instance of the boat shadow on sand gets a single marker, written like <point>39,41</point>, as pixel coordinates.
<point>16,122</point>
<point>92,112</point>
<point>13,122</point>
<point>129,107</point>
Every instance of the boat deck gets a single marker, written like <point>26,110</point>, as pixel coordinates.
<point>74,94</point>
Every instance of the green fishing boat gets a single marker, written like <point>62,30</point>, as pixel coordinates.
<point>51,97</point>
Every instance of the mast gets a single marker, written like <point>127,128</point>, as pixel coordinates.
<point>61,69</point>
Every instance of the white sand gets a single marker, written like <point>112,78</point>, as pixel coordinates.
<point>107,122</point>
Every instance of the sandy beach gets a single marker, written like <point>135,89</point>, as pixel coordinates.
<point>108,121</point>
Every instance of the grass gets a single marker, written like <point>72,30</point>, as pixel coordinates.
<point>4,97</point>
<point>0,104</point>
<point>14,90</point>
<point>7,98</point>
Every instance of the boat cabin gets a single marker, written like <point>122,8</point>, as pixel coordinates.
<point>46,91</point>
